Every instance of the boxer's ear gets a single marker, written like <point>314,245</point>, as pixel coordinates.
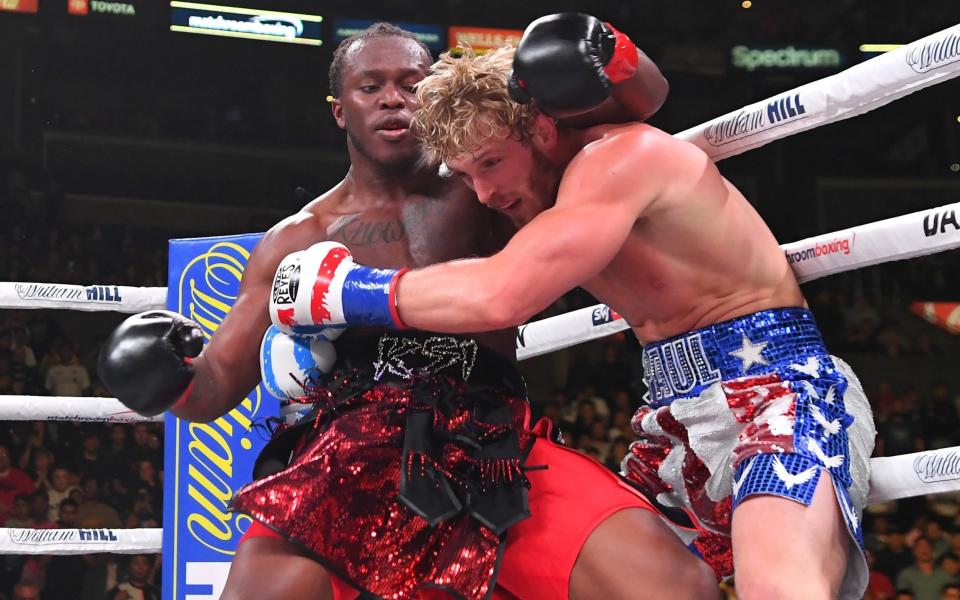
<point>543,132</point>
<point>337,109</point>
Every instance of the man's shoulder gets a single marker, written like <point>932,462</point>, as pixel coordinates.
<point>628,145</point>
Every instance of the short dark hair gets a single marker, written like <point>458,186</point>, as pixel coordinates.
<point>947,556</point>
<point>374,31</point>
<point>69,502</point>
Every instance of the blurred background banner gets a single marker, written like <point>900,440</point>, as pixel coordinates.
<point>205,463</point>
<point>248,23</point>
<point>482,38</point>
<point>432,35</point>
<point>24,6</point>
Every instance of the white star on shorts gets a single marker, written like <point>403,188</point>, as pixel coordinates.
<point>750,353</point>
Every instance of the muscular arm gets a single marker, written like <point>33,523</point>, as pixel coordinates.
<point>565,246</point>
<point>228,368</point>
<point>635,99</point>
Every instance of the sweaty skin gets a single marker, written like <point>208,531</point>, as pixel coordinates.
<point>389,212</point>
<point>643,221</point>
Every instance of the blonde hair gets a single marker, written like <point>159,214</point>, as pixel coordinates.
<point>464,102</point>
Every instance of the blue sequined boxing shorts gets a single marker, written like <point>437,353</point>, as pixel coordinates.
<point>754,405</point>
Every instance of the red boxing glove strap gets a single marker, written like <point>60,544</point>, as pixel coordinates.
<point>625,58</point>
<point>392,300</point>
<point>186,393</point>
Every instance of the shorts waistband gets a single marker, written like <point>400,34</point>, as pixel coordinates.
<point>753,344</point>
<point>407,356</point>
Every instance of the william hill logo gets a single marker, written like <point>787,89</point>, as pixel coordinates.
<point>935,466</point>
<point>46,537</point>
<point>942,50</point>
<point>74,293</point>
<point>755,119</point>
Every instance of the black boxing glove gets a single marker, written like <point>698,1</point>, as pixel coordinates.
<point>145,362</point>
<point>567,63</point>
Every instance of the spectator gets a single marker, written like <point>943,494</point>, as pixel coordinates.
<point>138,585</point>
<point>40,509</point>
<point>68,571</point>
<point>21,517</point>
<point>950,564</point>
<point>951,591</point>
<point>145,446</point>
<point>90,462</point>
<point>94,513</point>
<point>620,426</point>
<point>933,531</point>
<point>879,587</point>
<point>923,578</point>
<point>21,338</point>
<point>13,483</point>
<point>597,437</point>
<point>618,450</point>
<point>611,374</point>
<point>586,415</point>
<point>68,377</point>
<point>900,434</point>
<point>41,469</point>
<point>36,440</point>
<point>59,490</point>
<point>147,478</point>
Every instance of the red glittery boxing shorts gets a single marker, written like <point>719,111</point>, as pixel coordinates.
<point>418,471</point>
<point>568,500</point>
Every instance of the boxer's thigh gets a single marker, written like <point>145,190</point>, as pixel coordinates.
<point>272,567</point>
<point>582,515</point>
<point>633,555</point>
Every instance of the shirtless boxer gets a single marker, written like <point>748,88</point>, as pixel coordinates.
<point>752,426</point>
<point>336,508</point>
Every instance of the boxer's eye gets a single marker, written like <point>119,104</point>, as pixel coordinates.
<point>490,162</point>
<point>369,89</point>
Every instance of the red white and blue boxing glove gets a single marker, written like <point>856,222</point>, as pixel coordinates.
<point>289,365</point>
<point>322,287</point>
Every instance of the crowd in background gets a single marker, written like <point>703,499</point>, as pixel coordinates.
<point>81,475</point>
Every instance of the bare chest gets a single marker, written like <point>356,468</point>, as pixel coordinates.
<point>418,232</point>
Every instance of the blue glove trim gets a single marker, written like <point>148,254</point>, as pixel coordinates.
<point>366,297</point>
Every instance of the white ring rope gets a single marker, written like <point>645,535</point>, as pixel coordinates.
<point>68,408</point>
<point>898,238</point>
<point>892,478</point>
<point>861,88</point>
<point>88,298</point>
<point>916,474</point>
<point>854,91</point>
<point>80,541</point>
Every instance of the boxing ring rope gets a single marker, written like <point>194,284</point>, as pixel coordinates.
<point>898,238</point>
<point>861,88</point>
<point>89,298</point>
<point>69,408</point>
<point>80,541</point>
